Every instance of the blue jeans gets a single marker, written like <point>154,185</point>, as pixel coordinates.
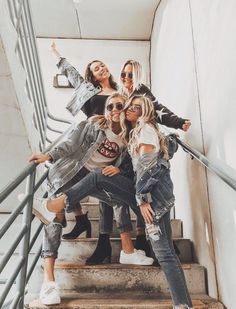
<point>170,264</point>
<point>117,191</point>
<point>106,214</point>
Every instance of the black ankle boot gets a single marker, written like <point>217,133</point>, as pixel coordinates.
<point>102,253</point>
<point>82,224</point>
<point>141,243</point>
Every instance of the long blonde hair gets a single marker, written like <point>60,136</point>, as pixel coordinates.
<point>147,117</point>
<point>105,121</point>
<point>137,76</point>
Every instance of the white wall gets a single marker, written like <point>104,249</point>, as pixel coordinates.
<point>204,93</point>
<point>80,53</point>
<point>17,133</point>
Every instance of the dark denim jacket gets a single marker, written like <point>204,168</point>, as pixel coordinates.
<point>153,182</point>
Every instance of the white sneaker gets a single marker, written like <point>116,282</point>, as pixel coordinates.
<point>140,251</point>
<point>49,293</point>
<point>40,209</point>
<point>135,258</point>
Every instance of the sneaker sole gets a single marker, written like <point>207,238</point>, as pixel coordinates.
<point>143,264</point>
<point>51,303</point>
<point>40,217</point>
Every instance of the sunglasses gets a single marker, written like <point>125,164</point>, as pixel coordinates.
<point>134,108</point>
<point>119,106</point>
<point>126,74</point>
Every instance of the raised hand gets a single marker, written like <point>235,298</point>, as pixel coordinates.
<point>186,125</point>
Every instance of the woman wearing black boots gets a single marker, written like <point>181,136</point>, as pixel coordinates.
<point>93,144</point>
<point>99,84</point>
<point>130,81</point>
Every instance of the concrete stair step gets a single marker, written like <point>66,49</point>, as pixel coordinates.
<point>123,301</point>
<point>176,226</point>
<point>116,277</point>
<point>9,237</point>
<point>79,250</point>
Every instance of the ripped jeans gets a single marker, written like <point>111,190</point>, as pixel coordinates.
<point>117,191</point>
<point>162,246</point>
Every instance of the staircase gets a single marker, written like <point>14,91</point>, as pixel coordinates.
<point>115,285</point>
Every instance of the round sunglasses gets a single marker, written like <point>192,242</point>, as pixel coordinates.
<point>134,108</point>
<point>126,74</point>
<point>119,106</point>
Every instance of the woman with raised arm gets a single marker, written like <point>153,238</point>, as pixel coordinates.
<point>130,84</point>
<point>154,192</point>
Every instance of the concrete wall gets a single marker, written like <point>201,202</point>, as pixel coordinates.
<point>193,73</point>
<point>80,53</point>
<point>18,136</point>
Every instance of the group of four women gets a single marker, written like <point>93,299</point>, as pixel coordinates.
<point>119,156</point>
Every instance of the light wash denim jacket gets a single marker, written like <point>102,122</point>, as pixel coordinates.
<point>84,90</point>
<point>70,156</point>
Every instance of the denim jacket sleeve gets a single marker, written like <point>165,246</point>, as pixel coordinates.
<point>149,172</point>
<point>70,145</point>
<point>71,73</point>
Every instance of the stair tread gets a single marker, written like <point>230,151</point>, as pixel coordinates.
<point>76,265</point>
<point>69,218</point>
<point>127,300</point>
<point>112,239</point>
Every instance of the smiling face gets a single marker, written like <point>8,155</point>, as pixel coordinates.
<point>127,77</point>
<point>114,108</point>
<point>99,71</point>
<point>134,110</point>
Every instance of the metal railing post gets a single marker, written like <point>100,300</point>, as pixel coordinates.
<point>24,250</point>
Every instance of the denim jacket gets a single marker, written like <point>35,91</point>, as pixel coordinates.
<point>70,156</point>
<point>154,171</point>
<point>84,90</point>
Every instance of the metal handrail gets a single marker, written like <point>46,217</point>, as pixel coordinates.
<point>219,171</point>
<point>26,49</point>
<point>20,272</point>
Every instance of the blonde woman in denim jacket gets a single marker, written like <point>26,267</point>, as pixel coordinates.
<point>154,192</point>
<point>97,145</point>
<point>90,95</point>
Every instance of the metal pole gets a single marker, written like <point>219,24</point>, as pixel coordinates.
<point>24,250</point>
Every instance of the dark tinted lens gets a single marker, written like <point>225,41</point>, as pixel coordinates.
<point>110,107</point>
<point>119,106</point>
<point>126,74</point>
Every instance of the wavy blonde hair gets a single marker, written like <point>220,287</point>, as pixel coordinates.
<point>137,76</point>
<point>105,121</point>
<point>147,117</point>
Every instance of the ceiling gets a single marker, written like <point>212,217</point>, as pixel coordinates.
<point>94,19</point>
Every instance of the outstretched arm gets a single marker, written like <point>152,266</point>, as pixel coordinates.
<point>54,50</point>
<point>164,115</point>
<point>66,68</point>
